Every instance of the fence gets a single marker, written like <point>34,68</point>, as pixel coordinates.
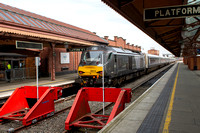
<point>19,73</point>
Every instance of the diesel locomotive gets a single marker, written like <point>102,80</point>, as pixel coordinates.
<point>118,65</point>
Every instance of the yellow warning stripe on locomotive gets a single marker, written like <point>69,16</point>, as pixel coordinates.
<point>90,70</point>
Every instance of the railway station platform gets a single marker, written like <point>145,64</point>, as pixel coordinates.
<point>172,104</point>
<point>6,88</point>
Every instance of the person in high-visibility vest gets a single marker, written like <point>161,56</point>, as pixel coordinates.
<point>8,71</point>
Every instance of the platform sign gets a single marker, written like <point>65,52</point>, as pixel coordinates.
<point>29,45</point>
<point>75,49</point>
<point>180,11</point>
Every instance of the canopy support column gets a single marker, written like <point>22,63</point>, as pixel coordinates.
<point>53,54</point>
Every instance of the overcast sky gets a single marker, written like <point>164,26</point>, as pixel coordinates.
<point>92,15</point>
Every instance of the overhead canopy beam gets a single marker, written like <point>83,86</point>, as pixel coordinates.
<point>124,3</point>
<point>170,38</point>
<point>196,35</point>
<point>151,22</point>
<point>170,32</point>
<point>159,26</point>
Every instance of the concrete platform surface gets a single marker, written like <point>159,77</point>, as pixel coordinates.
<point>172,104</point>
<point>7,88</point>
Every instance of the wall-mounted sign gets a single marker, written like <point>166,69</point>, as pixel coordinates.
<point>29,45</point>
<point>75,49</point>
<point>171,12</point>
<point>64,58</point>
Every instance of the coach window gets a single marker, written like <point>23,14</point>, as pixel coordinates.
<point>122,62</point>
<point>141,62</point>
<point>133,62</point>
<point>109,56</point>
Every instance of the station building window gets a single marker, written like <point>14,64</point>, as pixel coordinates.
<point>17,62</point>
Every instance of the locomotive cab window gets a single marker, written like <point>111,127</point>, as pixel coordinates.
<point>93,56</point>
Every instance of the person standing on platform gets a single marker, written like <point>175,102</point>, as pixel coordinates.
<point>8,71</point>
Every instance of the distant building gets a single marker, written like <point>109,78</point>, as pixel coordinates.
<point>120,42</point>
<point>153,51</point>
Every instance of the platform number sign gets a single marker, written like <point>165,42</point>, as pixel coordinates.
<point>179,11</point>
<point>37,61</point>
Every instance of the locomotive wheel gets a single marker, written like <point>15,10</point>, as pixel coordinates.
<point>115,82</point>
<point>120,81</point>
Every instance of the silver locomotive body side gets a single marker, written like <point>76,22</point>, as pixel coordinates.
<point>121,64</point>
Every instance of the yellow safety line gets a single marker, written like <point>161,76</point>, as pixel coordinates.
<point>169,112</point>
<point>33,85</point>
<point>7,90</point>
<point>52,82</point>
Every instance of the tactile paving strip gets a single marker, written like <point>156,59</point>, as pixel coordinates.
<point>152,121</point>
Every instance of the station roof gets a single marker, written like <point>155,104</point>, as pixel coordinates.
<point>178,35</point>
<point>20,22</point>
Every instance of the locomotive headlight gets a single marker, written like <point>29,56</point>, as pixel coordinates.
<point>81,72</point>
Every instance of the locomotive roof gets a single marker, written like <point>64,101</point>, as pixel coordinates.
<point>113,49</point>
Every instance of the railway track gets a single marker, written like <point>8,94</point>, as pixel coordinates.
<point>17,128</point>
<point>24,127</point>
<point>56,123</point>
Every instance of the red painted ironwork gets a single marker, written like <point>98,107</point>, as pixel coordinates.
<point>80,114</point>
<point>18,106</point>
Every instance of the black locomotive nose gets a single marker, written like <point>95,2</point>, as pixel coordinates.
<point>91,82</point>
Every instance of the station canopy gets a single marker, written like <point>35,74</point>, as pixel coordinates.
<point>16,23</point>
<point>178,34</point>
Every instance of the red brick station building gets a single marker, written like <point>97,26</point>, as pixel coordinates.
<point>25,35</point>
